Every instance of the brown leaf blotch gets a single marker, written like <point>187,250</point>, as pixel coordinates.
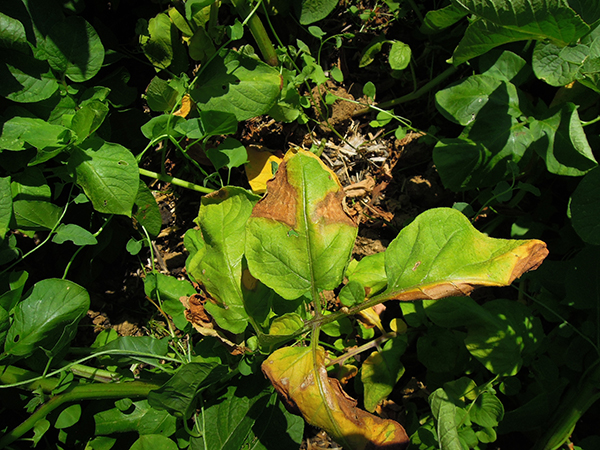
<point>280,201</point>
<point>529,257</point>
<point>331,209</point>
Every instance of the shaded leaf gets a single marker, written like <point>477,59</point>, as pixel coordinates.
<point>141,418</point>
<point>444,412</point>
<point>311,11</point>
<point>157,44</point>
<point>74,48</point>
<point>74,233</point>
<point>585,204</point>
<point>300,377</point>
<point>381,371</point>
<point>25,79</point>
<point>294,228</point>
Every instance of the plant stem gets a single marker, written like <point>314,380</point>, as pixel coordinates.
<point>413,95</point>
<point>176,181</point>
<point>75,394</point>
<point>258,31</point>
<point>578,400</point>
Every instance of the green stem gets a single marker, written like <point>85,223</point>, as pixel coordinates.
<point>413,95</point>
<point>258,31</point>
<point>578,400</point>
<point>76,394</point>
<point>175,181</point>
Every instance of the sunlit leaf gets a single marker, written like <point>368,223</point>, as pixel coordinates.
<point>300,377</point>
<point>294,230</point>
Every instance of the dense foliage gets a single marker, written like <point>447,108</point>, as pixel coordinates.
<point>273,320</point>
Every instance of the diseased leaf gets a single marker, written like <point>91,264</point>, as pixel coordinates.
<point>259,168</point>
<point>299,375</point>
<point>441,254</point>
<point>299,238</point>
<point>142,419</point>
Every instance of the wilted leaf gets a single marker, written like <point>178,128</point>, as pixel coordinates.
<point>299,238</point>
<point>299,375</point>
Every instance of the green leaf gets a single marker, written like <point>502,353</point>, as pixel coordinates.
<point>585,204</point>
<point>562,143</point>
<point>163,126</point>
<point>293,229</point>
<point>12,34</point>
<point>487,410</point>
<point>222,219</point>
<point>371,51</point>
<point>47,138</point>
<point>201,46</point>
<point>440,350</point>
<point>381,371</point>
<point>147,212</point>
<point>169,290</point>
<point>441,254</point>
<point>550,66</point>
<point>35,214</point>
<point>310,11</point>
<point>157,46</point>
<point>160,95</point>
<point>75,233</point>
<point>152,442</point>
<point>178,396</point>
<point>500,333</point>
<point>47,318</point>
<point>461,103</point>
<point>237,84</point>
<point>440,19</point>
<point>230,153</point>
<point>227,420</point>
<point>6,206</point>
<point>74,48</point>
<point>400,55</point>
<point>141,418</point>
<point>135,344</point>
<point>89,118</point>
<point>352,294</point>
<point>504,21</point>
<point>25,79</point>
<point>444,412</point>
<point>108,174</point>
<point>68,417</point>
<point>370,273</point>
<point>286,324</point>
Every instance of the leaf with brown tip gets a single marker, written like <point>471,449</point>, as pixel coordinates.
<point>440,254</point>
<point>299,375</point>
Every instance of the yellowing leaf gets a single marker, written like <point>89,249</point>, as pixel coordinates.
<point>186,106</point>
<point>299,375</point>
<point>259,168</point>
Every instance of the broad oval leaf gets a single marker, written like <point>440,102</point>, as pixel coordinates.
<point>299,375</point>
<point>47,318</point>
<point>299,238</point>
<point>237,84</point>
<point>108,174</point>
<point>441,254</point>
<point>75,49</point>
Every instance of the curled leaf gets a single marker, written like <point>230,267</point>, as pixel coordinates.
<point>299,375</point>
